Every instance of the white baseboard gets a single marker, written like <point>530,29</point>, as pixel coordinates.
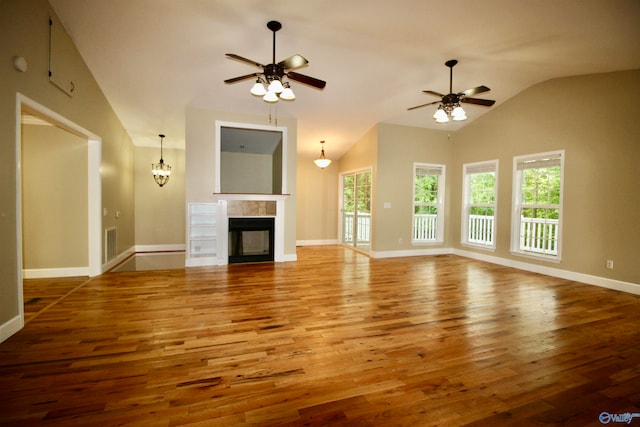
<point>411,252</point>
<point>290,257</point>
<point>117,260</point>
<point>43,273</point>
<point>604,282</point>
<point>160,248</point>
<point>316,242</point>
<point>11,327</point>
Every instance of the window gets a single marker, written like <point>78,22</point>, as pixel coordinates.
<point>428,203</point>
<point>536,223</point>
<point>479,203</point>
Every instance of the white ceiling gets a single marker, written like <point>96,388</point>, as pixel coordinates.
<point>153,58</point>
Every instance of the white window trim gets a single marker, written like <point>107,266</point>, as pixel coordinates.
<point>515,217</point>
<point>440,204</point>
<point>494,164</point>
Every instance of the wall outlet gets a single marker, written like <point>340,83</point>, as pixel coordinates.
<point>610,264</point>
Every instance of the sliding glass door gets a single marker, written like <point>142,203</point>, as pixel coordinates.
<point>356,209</point>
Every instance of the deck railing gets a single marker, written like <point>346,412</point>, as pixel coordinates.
<point>425,227</point>
<point>363,224</point>
<point>480,229</point>
<point>539,235</point>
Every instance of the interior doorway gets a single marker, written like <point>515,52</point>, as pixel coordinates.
<point>93,200</point>
<point>356,209</point>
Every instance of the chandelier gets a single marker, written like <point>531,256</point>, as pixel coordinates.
<point>161,171</point>
<point>322,162</point>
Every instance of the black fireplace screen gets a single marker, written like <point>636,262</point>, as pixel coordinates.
<point>251,239</point>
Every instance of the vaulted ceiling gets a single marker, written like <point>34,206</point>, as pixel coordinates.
<point>154,58</point>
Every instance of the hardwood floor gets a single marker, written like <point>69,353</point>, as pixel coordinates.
<point>333,339</point>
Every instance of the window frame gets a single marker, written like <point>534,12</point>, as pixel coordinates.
<point>440,215</point>
<point>468,170</point>
<point>517,205</point>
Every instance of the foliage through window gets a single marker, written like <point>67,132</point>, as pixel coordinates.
<point>428,202</point>
<point>538,204</point>
<point>479,203</point>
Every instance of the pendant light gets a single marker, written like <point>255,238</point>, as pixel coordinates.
<point>161,171</point>
<point>322,162</point>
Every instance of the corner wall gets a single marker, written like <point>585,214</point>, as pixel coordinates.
<point>24,31</point>
<point>601,143</point>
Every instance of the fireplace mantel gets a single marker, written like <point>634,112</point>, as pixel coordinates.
<point>251,196</point>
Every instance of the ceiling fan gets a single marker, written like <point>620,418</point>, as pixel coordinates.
<point>450,103</point>
<point>274,74</point>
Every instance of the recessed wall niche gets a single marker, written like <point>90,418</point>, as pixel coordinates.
<point>251,159</point>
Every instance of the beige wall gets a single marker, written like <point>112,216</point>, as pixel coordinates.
<point>601,140</point>
<point>201,158</point>
<point>317,207</point>
<point>246,173</point>
<point>24,31</point>
<point>54,199</point>
<point>399,147</point>
<point>160,211</point>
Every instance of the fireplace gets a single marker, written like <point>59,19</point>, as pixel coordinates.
<point>251,239</point>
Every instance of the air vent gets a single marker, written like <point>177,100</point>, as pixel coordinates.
<point>110,244</point>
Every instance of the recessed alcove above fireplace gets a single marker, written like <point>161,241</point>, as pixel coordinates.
<point>251,159</point>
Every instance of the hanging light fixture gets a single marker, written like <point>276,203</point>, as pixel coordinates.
<point>322,162</point>
<point>161,171</point>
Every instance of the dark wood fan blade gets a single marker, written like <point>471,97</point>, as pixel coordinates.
<point>293,62</point>
<point>237,79</point>
<point>475,90</point>
<point>311,81</point>
<point>245,60</point>
<point>430,92</point>
<point>478,101</point>
<point>423,105</point>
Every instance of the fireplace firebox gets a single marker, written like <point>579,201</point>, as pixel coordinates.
<point>251,239</point>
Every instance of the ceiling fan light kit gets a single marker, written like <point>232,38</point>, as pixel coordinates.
<point>275,75</point>
<point>449,105</point>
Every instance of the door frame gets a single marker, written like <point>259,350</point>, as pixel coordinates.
<point>94,186</point>
<point>341,204</point>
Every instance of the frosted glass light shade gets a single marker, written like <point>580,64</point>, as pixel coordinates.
<point>458,114</point>
<point>258,89</point>
<point>287,94</point>
<point>275,86</point>
<point>322,162</point>
<point>441,116</point>
<point>270,96</point>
